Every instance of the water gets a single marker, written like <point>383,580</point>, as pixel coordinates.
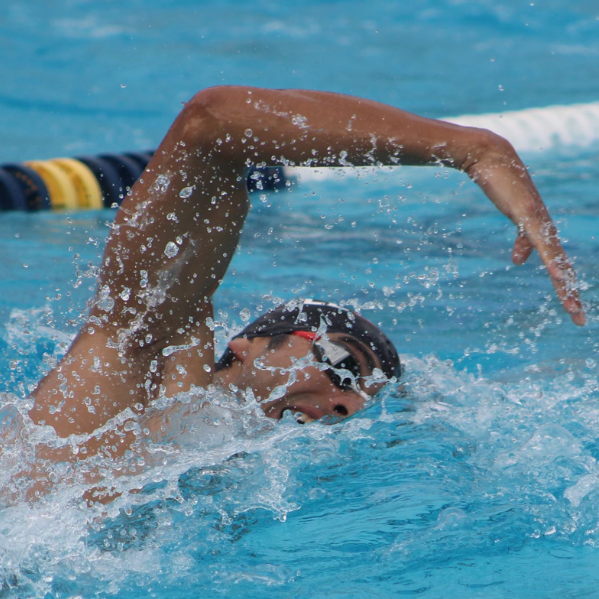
<point>480,477</point>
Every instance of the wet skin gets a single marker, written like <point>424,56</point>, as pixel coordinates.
<point>262,370</point>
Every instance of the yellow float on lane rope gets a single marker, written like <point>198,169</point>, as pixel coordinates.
<point>89,194</point>
<point>62,191</point>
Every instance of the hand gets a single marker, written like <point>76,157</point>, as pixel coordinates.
<point>546,241</point>
<point>500,173</point>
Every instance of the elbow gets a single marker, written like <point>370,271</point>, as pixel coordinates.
<point>211,99</point>
<point>220,95</point>
<point>199,120</point>
<point>222,103</point>
<point>212,113</point>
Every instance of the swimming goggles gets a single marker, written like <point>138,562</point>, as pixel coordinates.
<point>337,357</point>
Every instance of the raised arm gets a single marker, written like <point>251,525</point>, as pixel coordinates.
<point>322,129</point>
<point>176,232</point>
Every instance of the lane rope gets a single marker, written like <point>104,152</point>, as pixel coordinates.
<point>87,188</point>
<point>62,191</point>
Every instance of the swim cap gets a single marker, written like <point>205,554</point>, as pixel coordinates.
<point>311,315</point>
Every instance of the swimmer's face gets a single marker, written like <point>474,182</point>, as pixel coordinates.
<point>308,390</point>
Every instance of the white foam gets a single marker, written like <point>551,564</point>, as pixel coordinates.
<point>538,129</point>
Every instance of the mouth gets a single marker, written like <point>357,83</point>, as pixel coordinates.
<point>302,414</point>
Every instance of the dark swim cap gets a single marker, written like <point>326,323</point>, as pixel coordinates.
<point>311,315</point>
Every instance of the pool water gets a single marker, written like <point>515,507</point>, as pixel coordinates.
<point>480,476</point>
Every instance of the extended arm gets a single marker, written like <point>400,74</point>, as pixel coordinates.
<point>176,232</point>
<point>323,129</point>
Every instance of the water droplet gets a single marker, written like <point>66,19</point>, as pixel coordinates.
<point>245,315</point>
<point>171,249</point>
<point>161,184</point>
<point>299,120</point>
<point>248,133</point>
<point>105,301</point>
<point>186,192</point>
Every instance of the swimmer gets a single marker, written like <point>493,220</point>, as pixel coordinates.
<point>148,333</point>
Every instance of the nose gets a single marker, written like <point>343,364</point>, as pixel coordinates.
<point>240,346</point>
<point>343,403</point>
<point>341,410</point>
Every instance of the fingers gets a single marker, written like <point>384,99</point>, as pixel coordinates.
<point>563,276</point>
<point>522,249</point>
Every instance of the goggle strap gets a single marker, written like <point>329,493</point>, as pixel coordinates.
<point>306,335</point>
<point>315,337</point>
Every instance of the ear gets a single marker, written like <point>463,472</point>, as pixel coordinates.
<point>240,346</point>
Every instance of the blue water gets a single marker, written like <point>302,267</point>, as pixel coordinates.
<point>480,477</point>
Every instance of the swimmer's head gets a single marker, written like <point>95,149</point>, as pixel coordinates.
<point>349,345</point>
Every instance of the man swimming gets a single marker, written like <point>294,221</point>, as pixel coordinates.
<point>149,332</point>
